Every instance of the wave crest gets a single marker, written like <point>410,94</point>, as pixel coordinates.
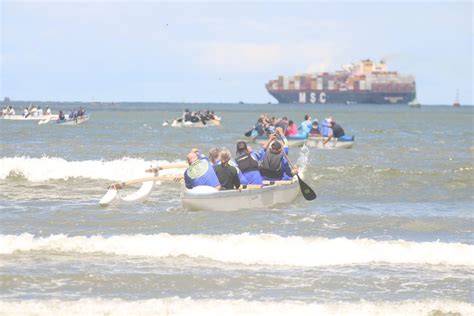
<point>266,249</point>
<point>188,306</point>
<point>53,168</point>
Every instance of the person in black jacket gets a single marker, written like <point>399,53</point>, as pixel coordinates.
<point>227,174</point>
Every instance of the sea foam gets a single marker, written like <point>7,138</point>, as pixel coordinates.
<point>51,168</point>
<point>247,249</point>
<point>188,306</point>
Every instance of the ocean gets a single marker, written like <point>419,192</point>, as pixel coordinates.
<point>391,232</point>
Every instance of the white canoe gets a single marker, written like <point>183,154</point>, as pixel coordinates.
<point>76,121</point>
<point>30,117</point>
<point>204,198</point>
<point>199,124</point>
<point>317,142</point>
<point>291,142</point>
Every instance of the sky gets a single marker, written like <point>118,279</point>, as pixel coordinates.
<point>225,51</point>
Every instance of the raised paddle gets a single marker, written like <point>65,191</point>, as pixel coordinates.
<point>306,190</point>
<point>249,133</point>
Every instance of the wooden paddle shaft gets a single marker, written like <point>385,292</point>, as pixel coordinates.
<point>119,185</point>
<point>171,166</point>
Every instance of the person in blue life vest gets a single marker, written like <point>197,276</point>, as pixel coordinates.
<point>273,164</point>
<point>228,175</point>
<point>199,172</point>
<point>305,126</point>
<point>247,161</point>
<point>334,130</point>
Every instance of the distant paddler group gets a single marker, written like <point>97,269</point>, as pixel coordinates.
<point>218,182</point>
<point>202,118</point>
<point>31,113</point>
<point>328,134</point>
<point>44,116</point>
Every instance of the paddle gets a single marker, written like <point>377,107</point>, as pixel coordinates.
<point>249,133</point>
<point>306,190</point>
<point>45,121</point>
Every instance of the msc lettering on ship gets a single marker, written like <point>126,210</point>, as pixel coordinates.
<point>312,97</point>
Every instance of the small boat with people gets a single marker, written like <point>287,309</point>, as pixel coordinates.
<point>329,135</point>
<point>32,113</point>
<point>198,124</point>
<point>74,121</point>
<point>196,119</point>
<point>74,117</point>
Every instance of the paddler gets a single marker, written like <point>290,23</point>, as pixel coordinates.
<point>334,131</point>
<point>305,126</point>
<point>247,160</point>
<point>273,164</point>
<point>228,175</point>
<point>199,172</point>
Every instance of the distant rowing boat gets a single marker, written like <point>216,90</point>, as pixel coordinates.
<point>74,121</point>
<point>199,124</point>
<point>204,198</point>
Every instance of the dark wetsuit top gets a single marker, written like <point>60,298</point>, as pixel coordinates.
<point>228,176</point>
<point>337,131</point>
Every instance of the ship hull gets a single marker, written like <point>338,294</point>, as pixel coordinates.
<point>343,97</point>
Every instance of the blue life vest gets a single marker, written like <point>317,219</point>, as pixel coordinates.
<point>200,172</point>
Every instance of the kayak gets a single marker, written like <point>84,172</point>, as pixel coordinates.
<point>205,198</point>
<point>342,142</point>
<point>199,124</point>
<point>76,121</point>
<point>293,141</point>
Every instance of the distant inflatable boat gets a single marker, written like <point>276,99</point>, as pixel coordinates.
<point>293,141</point>
<point>341,142</point>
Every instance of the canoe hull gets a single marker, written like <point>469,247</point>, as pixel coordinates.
<point>316,142</point>
<point>75,121</point>
<point>291,142</point>
<point>199,124</point>
<point>234,200</point>
<point>30,117</point>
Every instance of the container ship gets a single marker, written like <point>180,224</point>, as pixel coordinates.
<point>365,82</point>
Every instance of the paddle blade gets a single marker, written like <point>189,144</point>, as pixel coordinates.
<point>307,192</point>
<point>109,197</point>
<point>249,133</point>
<point>45,121</point>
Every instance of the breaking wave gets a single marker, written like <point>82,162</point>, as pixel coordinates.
<point>51,168</point>
<point>266,249</point>
<point>188,306</point>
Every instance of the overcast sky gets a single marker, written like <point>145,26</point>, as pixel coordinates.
<point>224,52</point>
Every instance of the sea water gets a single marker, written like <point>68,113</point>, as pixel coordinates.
<point>391,231</point>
